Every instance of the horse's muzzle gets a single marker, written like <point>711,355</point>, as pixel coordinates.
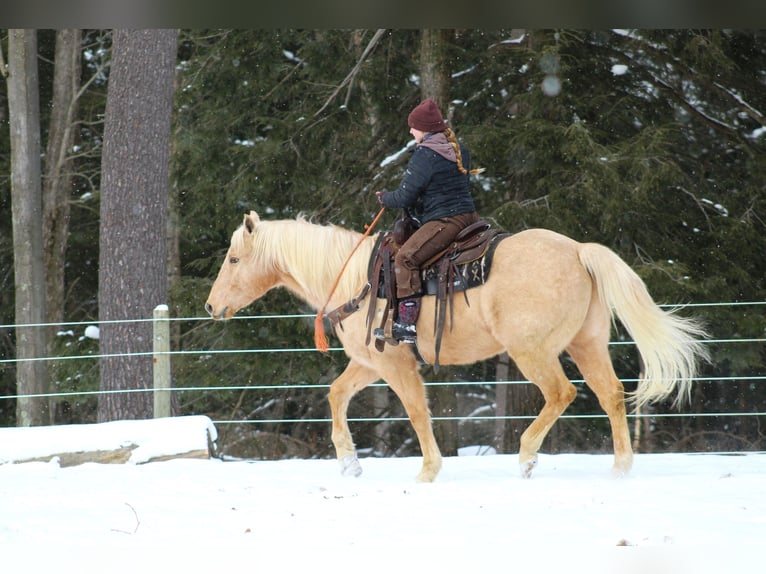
<point>221,316</point>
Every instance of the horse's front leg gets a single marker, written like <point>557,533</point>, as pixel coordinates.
<point>403,378</point>
<point>353,379</point>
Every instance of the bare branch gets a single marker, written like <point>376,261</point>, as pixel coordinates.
<point>748,109</point>
<point>352,74</point>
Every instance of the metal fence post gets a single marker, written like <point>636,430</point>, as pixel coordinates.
<point>161,362</point>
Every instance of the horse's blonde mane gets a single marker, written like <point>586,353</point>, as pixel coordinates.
<point>311,254</point>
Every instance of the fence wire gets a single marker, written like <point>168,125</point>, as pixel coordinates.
<point>288,386</point>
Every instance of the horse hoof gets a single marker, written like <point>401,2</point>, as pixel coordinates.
<point>622,466</point>
<point>429,472</point>
<point>620,472</point>
<point>527,467</point>
<point>349,466</point>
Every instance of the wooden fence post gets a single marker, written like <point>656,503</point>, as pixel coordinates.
<point>161,361</point>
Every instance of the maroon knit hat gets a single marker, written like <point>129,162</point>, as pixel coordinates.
<point>426,117</point>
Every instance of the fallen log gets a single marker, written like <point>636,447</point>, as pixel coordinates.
<point>117,442</point>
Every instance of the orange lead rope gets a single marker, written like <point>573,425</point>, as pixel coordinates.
<point>320,339</point>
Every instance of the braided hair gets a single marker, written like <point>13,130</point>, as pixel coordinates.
<point>452,139</point>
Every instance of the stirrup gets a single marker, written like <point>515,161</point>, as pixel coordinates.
<point>401,332</point>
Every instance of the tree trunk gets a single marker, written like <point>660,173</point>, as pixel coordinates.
<point>26,194</point>
<point>523,400</point>
<point>443,399</point>
<point>133,275</point>
<point>57,180</point>
<point>502,368</point>
<point>173,239</point>
<point>434,68</point>
<point>58,177</point>
<point>434,83</point>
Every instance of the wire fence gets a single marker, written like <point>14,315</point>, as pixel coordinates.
<point>164,385</point>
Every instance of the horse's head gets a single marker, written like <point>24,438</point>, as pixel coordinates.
<point>244,276</point>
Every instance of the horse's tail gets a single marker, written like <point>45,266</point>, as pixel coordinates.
<point>669,345</point>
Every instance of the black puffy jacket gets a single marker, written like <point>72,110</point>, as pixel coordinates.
<point>433,187</point>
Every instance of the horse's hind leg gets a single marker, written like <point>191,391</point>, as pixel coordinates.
<point>593,361</point>
<point>353,379</point>
<point>558,391</point>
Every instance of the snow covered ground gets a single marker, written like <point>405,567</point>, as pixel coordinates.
<point>675,513</point>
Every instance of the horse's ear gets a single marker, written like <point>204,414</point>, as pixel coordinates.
<point>250,220</point>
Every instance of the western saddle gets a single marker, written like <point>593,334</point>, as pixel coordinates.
<point>465,263</point>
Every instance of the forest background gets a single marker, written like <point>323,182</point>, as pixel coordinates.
<point>648,141</point>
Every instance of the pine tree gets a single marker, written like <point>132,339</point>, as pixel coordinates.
<point>133,257</point>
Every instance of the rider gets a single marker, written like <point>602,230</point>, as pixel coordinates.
<point>435,189</point>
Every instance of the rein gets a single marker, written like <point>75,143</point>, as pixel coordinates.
<point>320,339</point>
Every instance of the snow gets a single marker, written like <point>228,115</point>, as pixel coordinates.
<point>619,69</point>
<point>551,85</point>
<point>398,154</point>
<point>292,57</point>
<point>92,332</point>
<point>674,513</point>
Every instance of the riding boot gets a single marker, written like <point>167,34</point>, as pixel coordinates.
<point>404,327</point>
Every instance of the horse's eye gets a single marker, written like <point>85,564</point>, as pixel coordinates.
<point>234,260</point>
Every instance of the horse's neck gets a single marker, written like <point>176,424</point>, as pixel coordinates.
<point>312,265</point>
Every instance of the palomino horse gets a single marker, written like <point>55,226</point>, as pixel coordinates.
<point>546,294</point>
